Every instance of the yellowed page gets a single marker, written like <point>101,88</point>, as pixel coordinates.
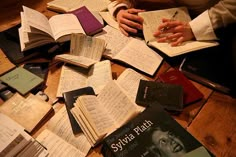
<point>99,75</point>
<point>60,125</point>
<point>71,78</point>
<point>57,146</point>
<point>109,19</point>
<point>141,57</point>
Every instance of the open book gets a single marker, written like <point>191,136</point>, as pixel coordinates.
<point>37,30</point>
<point>100,115</point>
<point>71,5</point>
<point>128,50</point>
<point>14,141</point>
<point>59,139</point>
<point>84,50</point>
<point>152,19</point>
<point>73,77</point>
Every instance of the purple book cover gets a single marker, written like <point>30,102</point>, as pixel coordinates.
<point>88,21</point>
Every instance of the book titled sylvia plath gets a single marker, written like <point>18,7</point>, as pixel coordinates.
<point>149,134</point>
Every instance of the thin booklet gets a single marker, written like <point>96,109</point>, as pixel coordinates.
<point>152,19</point>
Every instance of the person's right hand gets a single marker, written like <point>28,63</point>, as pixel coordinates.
<point>129,21</point>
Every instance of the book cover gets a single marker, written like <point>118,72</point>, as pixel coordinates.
<point>170,96</point>
<point>70,98</point>
<point>153,133</point>
<point>21,80</point>
<point>191,93</point>
<point>88,21</point>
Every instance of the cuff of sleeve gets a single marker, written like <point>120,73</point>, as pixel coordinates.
<point>113,6</point>
<point>202,27</point>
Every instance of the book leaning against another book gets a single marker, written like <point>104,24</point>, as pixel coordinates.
<point>34,33</point>
<point>152,19</point>
<point>114,106</point>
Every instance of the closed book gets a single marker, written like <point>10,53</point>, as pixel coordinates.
<point>153,133</point>
<point>191,93</point>
<point>70,98</point>
<point>170,96</point>
<point>88,21</point>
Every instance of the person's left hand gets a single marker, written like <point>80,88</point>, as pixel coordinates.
<point>173,31</point>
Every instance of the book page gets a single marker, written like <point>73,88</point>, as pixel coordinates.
<point>71,78</point>
<point>116,103</point>
<point>59,124</point>
<point>87,46</point>
<point>152,19</point>
<point>99,75</point>
<point>42,23</point>
<point>28,112</point>
<point>64,24</point>
<point>57,146</point>
<point>141,57</point>
<point>97,117</point>
<point>109,19</point>
<point>70,5</point>
<point>115,40</point>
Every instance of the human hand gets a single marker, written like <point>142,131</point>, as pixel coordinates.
<point>129,21</point>
<point>173,31</point>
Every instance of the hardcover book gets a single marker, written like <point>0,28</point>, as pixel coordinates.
<point>88,21</point>
<point>170,96</point>
<point>152,133</point>
<point>27,111</point>
<point>21,80</point>
<point>154,18</point>
<point>191,93</point>
<point>70,98</point>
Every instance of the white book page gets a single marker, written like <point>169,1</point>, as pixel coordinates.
<point>57,146</point>
<point>109,19</point>
<point>37,20</point>
<point>71,78</point>
<point>99,75</point>
<point>115,40</point>
<point>116,103</point>
<point>60,125</point>
<point>65,24</point>
<point>141,57</point>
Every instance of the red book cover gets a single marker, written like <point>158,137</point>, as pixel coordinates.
<point>88,21</point>
<point>191,93</point>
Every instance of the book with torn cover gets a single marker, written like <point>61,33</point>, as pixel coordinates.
<point>84,51</point>
<point>27,111</point>
<point>152,19</point>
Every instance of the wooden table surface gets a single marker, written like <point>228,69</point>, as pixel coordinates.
<point>212,120</point>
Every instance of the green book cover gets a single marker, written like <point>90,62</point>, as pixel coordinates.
<point>21,80</point>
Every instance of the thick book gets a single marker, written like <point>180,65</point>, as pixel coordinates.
<point>191,93</point>
<point>27,111</point>
<point>124,49</point>
<point>152,133</point>
<point>15,141</point>
<point>154,18</point>
<point>100,115</point>
<point>170,96</point>
<point>65,6</point>
<point>34,33</point>
<point>21,80</point>
<point>70,98</point>
<point>84,50</point>
<point>88,21</point>
<point>59,139</point>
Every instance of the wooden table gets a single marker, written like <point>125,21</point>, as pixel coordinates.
<point>212,120</point>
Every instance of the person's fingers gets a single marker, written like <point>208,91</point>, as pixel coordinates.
<point>177,42</point>
<point>124,32</point>
<point>174,36</point>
